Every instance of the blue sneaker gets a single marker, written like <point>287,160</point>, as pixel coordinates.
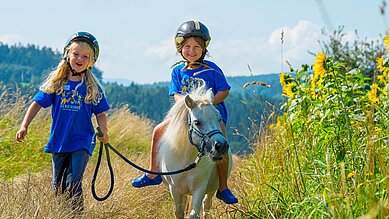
<point>226,196</point>
<point>144,180</point>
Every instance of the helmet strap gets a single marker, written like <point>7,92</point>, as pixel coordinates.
<point>74,73</point>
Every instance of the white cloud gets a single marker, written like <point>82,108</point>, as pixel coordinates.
<point>263,54</point>
<point>133,58</point>
<point>163,50</point>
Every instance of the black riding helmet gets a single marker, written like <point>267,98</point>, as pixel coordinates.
<point>192,29</point>
<point>85,37</point>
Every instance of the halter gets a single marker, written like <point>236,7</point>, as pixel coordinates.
<point>205,137</point>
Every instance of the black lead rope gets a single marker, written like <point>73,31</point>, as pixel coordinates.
<point>109,146</point>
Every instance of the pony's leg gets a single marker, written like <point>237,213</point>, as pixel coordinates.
<point>207,203</point>
<point>197,199</point>
<point>186,204</point>
<point>179,203</point>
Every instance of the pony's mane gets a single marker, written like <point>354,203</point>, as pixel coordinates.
<point>177,129</point>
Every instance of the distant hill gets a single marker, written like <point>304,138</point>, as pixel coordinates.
<point>237,84</point>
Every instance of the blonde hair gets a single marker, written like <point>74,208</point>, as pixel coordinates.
<point>188,64</point>
<point>56,80</point>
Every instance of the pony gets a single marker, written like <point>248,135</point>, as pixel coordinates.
<point>193,131</point>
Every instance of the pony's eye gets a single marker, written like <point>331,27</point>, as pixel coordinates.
<point>196,122</point>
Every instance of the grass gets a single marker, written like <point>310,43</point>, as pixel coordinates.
<point>26,171</point>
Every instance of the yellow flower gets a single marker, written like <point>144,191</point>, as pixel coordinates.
<point>282,79</point>
<point>351,174</point>
<point>318,67</point>
<point>372,94</point>
<point>381,65</point>
<point>383,78</point>
<point>386,40</point>
<point>288,89</point>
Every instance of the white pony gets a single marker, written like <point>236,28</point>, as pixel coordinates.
<point>194,130</point>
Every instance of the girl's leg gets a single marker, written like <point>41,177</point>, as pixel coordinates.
<point>157,133</point>
<point>151,179</point>
<point>224,193</point>
<point>60,163</point>
<point>79,160</point>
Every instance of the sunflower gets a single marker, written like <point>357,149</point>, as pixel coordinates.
<point>386,40</point>
<point>382,65</point>
<point>372,94</point>
<point>318,67</point>
<point>282,79</point>
<point>288,89</point>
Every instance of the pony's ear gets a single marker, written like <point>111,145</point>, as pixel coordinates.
<point>190,102</point>
<point>210,95</point>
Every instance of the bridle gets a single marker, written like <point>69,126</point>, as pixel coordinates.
<point>205,137</point>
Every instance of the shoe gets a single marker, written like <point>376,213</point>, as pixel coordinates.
<point>226,196</point>
<point>144,180</point>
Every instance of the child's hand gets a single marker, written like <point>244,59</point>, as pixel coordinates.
<point>21,133</point>
<point>104,138</point>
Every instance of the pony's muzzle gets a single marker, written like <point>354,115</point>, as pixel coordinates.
<point>219,150</point>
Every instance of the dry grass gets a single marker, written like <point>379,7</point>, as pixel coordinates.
<point>30,195</point>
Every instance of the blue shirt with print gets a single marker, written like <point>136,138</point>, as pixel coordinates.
<point>213,76</point>
<point>71,128</point>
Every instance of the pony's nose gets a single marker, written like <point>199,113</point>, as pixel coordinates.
<point>221,146</point>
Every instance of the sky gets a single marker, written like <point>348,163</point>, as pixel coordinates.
<point>136,37</point>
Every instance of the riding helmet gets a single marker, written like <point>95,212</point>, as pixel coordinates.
<point>192,29</point>
<point>85,37</point>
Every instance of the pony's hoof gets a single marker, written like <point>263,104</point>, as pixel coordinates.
<point>144,180</point>
<point>226,196</point>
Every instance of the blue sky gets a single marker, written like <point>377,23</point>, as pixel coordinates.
<point>136,36</point>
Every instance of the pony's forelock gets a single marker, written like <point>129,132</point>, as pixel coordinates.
<point>178,113</point>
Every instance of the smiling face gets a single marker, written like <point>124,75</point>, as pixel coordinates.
<point>79,56</point>
<point>192,50</point>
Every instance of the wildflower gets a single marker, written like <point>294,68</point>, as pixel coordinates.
<point>288,89</point>
<point>351,174</point>
<point>382,64</point>
<point>386,40</point>
<point>282,79</point>
<point>372,94</point>
<point>318,70</point>
<point>318,67</point>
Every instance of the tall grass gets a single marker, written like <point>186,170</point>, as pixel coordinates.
<point>26,170</point>
<point>326,157</point>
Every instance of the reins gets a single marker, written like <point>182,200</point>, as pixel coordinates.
<point>109,146</point>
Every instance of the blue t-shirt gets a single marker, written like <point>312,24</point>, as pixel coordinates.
<point>71,128</point>
<point>213,77</point>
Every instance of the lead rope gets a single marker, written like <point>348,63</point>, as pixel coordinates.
<point>109,146</point>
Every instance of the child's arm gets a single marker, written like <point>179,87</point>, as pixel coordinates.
<point>102,122</point>
<point>30,115</point>
<point>220,96</point>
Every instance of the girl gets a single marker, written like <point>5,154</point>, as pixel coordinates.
<point>74,94</point>
<point>191,40</point>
